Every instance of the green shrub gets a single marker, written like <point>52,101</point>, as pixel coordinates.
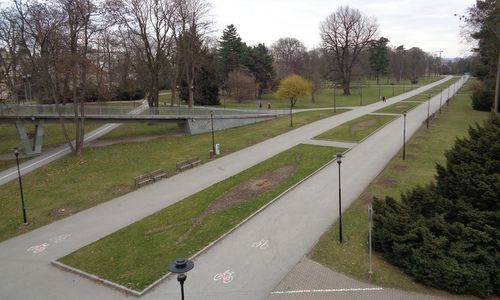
<point>482,99</point>
<point>446,234</point>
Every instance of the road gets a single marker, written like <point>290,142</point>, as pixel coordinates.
<point>291,225</point>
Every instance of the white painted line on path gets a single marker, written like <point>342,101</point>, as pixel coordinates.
<point>327,291</point>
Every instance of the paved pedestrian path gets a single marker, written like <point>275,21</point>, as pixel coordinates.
<point>346,145</point>
<point>288,223</point>
<point>311,280</point>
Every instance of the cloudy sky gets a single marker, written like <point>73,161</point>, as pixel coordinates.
<point>428,24</point>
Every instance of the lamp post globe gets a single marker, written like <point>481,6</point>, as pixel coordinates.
<point>180,266</point>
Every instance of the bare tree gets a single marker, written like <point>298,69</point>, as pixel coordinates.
<point>241,84</point>
<point>149,25</point>
<point>192,28</point>
<point>289,56</point>
<point>345,33</point>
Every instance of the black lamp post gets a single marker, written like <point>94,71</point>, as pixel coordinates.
<point>440,100</point>
<point>334,100</point>
<point>404,135</point>
<point>428,110</point>
<point>448,99</point>
<point>181,266</point>
<point>291,104</point>
<point>16,153</point>
<point>361,96</point>
<point>177,88</point>
<point>25,78</point>
<point>339,161</point>
<point>213,137</point>
<point>28,76</point>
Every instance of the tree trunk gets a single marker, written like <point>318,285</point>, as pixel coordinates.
<point>347,90</point>
<point>497,87</point>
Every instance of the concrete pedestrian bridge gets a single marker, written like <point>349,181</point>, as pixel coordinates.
<point>192,120</point>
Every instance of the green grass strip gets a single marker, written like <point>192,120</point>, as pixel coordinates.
<point>137,255</point>
<point>357,129</point>
<point>424,150</point>
<point>101,174</point>
<point>399,107</point>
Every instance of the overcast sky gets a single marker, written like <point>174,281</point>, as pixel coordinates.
<point>428,24</point>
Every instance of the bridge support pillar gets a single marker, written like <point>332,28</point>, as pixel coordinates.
<point>38,138</point>
<point>29,149</point>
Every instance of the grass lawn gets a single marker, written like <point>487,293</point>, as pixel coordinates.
<point>360,95</point>
<point>410,103</point>
<point>398,108</point>
<point>101,174</point>
<point>357,129</point>
<point>423,151</point>
<point>156,240</point>
<point>131,130</point>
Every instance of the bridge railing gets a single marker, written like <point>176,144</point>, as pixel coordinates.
<point>92,109</point>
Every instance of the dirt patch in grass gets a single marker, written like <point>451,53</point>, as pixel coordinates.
<point>399,167</point>
<point>239,194</point>
<point>363,125</point>
<point>388,181</point>
<point>63,212</point>
<point>120,189</point>
<point>410,156</point>
<point>368,199</point>
<point>104,143</point>
<point>422,137</point>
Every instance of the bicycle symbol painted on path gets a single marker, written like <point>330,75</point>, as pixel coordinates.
<point>262,244</point>
<point>226,277</point>
<point>60,238</point>
<point>38,248</point>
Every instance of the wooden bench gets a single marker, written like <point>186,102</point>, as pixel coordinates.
<point>187,164</point>
<point>143,180</point>
<point>194,161</point>
<point>158,174</point>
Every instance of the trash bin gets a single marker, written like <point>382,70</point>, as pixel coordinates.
<point>217,149</point>
<point>212,155</point>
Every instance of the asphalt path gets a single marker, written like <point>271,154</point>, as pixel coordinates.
<point>291,225</point>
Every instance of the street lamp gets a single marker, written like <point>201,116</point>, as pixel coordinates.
<point>361,96</point>
<point>177,88</point>
<point>16,153</point>
<point>440,99</point>
<point>334,99</point>
<point>213,138</point>
<point>28,76</point>
<point>181,266</point>
<point>25,77</point>
<point>448,99</point>
<point>291,102</point>
<point>428,109</point>
<point>404,135</point>
<point>339,161</point>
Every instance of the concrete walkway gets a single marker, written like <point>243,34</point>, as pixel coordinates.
<point>346,145</point>
<point>291,225</point>
<point>311,280</point>
<point>24,260</point>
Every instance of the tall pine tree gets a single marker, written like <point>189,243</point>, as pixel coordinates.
<point>379,60</point>
<point>230,51</point>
